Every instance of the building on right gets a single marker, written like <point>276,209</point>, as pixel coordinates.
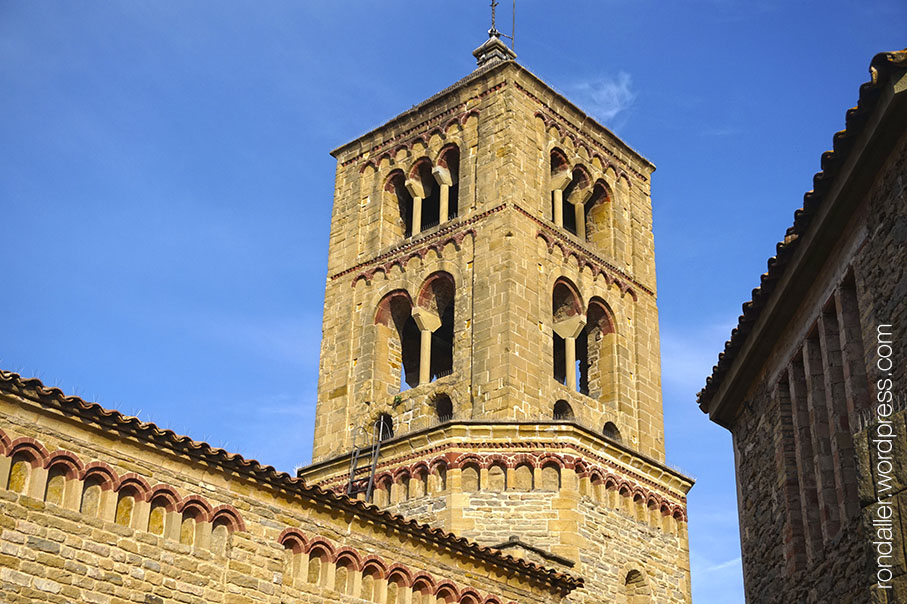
<point>813,381</point>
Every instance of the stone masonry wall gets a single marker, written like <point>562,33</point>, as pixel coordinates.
<point>793,548</point>
<point>504,255</point>
<point>224,537</point>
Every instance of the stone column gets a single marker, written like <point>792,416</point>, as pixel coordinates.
<point>569,329</point>
<point>579,197</point>
<point>442,176</point>
<point>427,322</point>
<point>418,193</point>
<point>559,182</point>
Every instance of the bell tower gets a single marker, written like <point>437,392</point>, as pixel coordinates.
<point>490,356</point>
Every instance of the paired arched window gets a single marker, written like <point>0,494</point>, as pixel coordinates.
<point>582,351</point>
<point>414,343</point>
<point>578,204</point>
<point>429,194</point>
<point>398,342</point>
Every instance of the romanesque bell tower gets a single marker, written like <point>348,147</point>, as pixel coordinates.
<point>490,361</point>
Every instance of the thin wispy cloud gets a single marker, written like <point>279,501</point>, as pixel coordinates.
<point>734,562</point>
<point>605,98</point>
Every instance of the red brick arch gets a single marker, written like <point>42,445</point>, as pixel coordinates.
<point>350,555</point>
<point>30,448</point>
<point>168,493</point>
<point>374,564</point>
<point>197,505</point>
<point>400,574</point>
<point>293,539</point>
<point>448,591</point>
<point>135,482</point>
<point>318,544</point>
<point>423,582</point>
<point>100,469</point>
<point>74,465</point>
<point>230,515</point>
<point>4,443</point>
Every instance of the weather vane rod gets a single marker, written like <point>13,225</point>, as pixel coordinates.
<point>493,32</point>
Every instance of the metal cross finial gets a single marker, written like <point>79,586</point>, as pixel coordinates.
<point>493,32</point>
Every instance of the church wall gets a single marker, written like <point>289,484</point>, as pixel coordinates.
<point>805,465</point>
<point>248,541</point>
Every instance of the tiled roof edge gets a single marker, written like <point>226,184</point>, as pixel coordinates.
<point>34,390</point>
<point>880,69</point>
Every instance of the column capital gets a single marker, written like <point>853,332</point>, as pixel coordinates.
<point>579,197</point>
<point>560,180</point>
<point>415,188</point>
<point>570,327</point>
<point>442,175</point>
<point>425,319</point>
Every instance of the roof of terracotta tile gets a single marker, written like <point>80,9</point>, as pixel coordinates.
<point>33,389</point>
<point>880,69</point>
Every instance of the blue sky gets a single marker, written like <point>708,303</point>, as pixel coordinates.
<point>166,187</point>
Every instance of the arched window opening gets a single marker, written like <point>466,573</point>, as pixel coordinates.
<point>19,473</point>
<point>522,478</point>
<point>434,314</point>
<point>397,343</point>
<point>396,188</point>
<point>563,411</point>
<point>560,179</point>
<point>439,477</point>
<point>568,321</point>
<point>56,483</point>
<point>425,195</point>
<point>91,496</point>
<point>443,408</point>
<point>367,589</point>
<point>158,514</point>
<point>188,525</point>
<point>469,478</point>
<point>343,576</point>
<point>292,559</point>
<point>551,477</point>
<point>611,431</point>
<point>595,359</point>
<point>598,218</point>
<point>317,566</point>
<point>636,589</point>
<point>497,478</point>
<point>559,353</point>
<point>410,341</point>
<point>574,198</point>
<point>126,498</point>
<point>220,536</point>
<point>447,175</point>
<point>384,427</point>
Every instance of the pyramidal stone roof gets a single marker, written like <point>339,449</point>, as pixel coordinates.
<point>491,56</point>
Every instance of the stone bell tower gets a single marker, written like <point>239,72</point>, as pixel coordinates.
<point>490,360</point>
